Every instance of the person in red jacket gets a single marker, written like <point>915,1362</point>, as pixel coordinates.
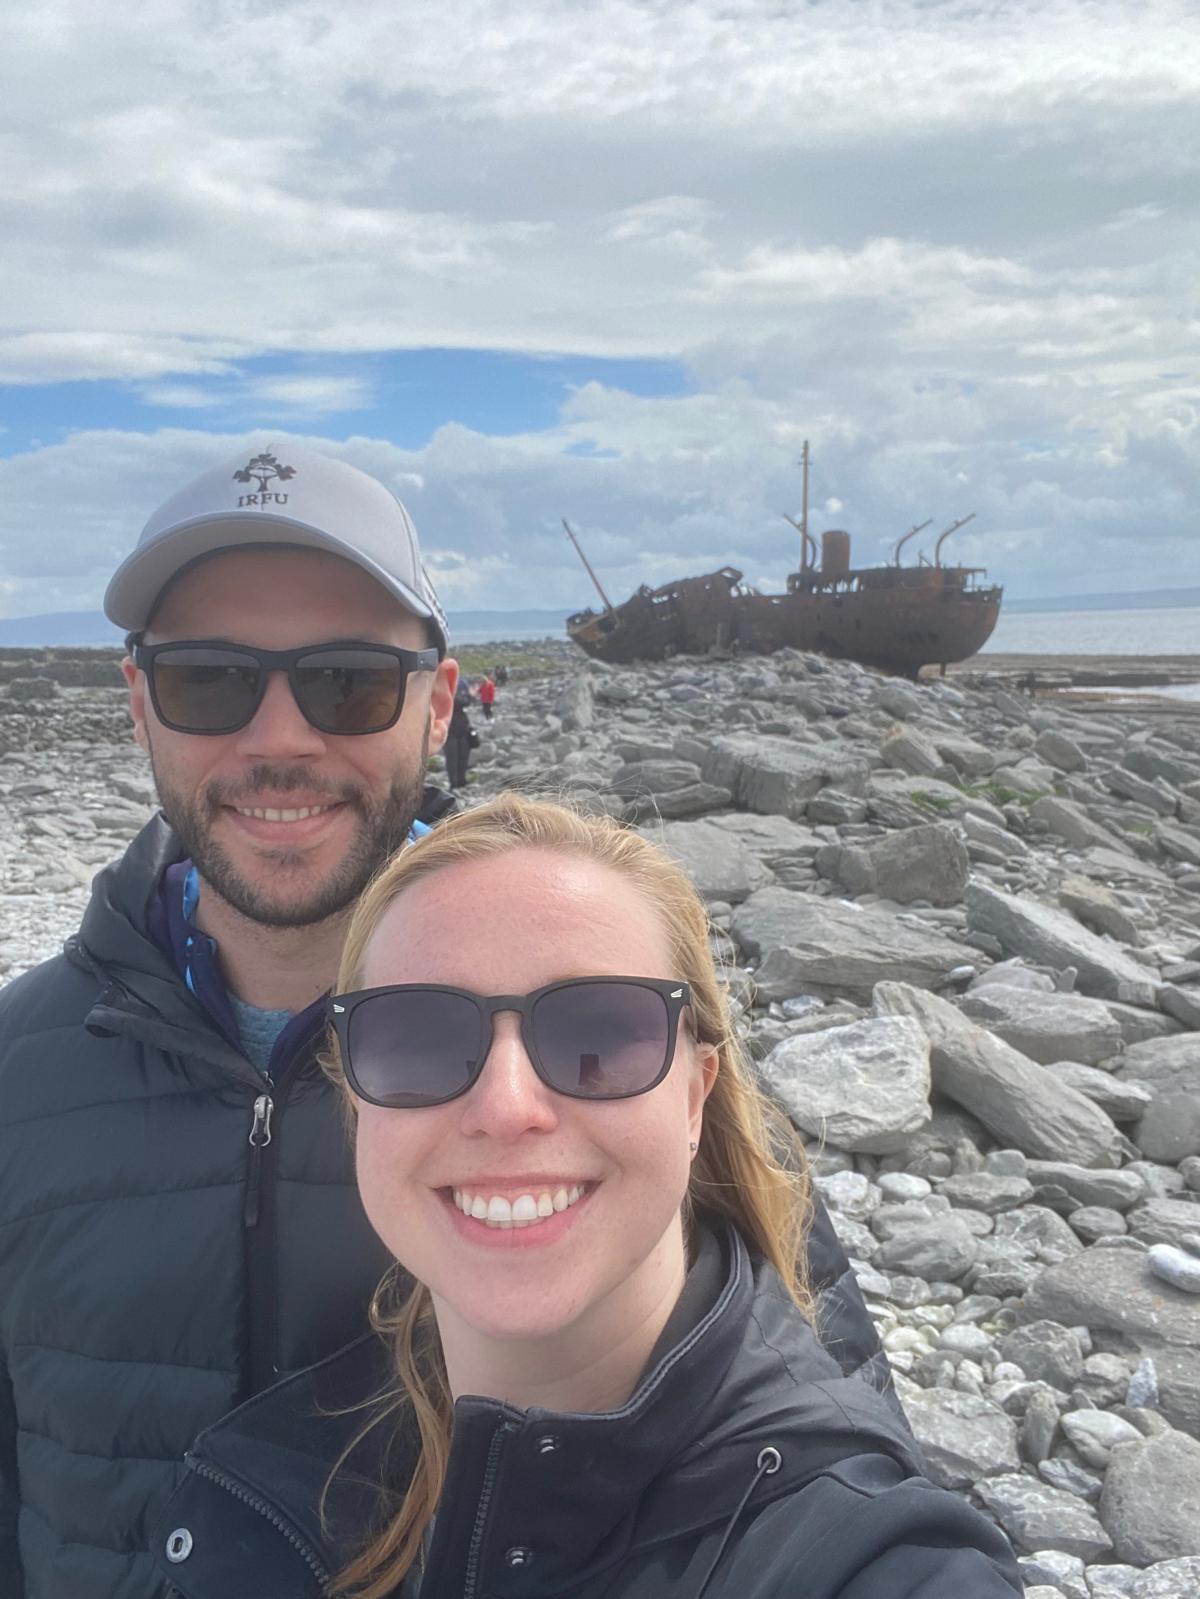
<point>487,695</point>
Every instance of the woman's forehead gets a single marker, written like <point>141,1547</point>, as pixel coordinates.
<point>536,914</point>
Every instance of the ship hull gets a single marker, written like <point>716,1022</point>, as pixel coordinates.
<point>897,621</point>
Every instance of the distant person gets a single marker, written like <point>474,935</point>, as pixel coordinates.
<point>487,695</point>
<point>177,1205</point>
<point>501,675</point>
<point>461,739</point>
<point>604,1375</point>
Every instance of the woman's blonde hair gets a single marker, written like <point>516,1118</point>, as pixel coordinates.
<point>750,1166</point>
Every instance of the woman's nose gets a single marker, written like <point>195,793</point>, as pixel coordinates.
<point>510,1098</point>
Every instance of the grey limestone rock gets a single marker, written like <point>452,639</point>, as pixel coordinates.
<point>988,1192</point>
<point>1046,1351</point>
<point>1056,749</point>
<point>927,862</point>
<point>834,950</point>
<point>943,1249</point>
<point>963,1437</point>
<point>1096,1433</point>
<point>1129,1311</point>
<point>1179,1267</point>
<point>1036,1516</point>
<point>778,776</point>
<point>720,865</point>
<point>1150,1506</point>
<point>1046,1027</point>
<point>1097,907</point>
<point>1042,933</point>
<point>1080,1185</point>
<point>1165,1221</point>
<point>1124,1102</point>
<point>1071,823</point>
<point>1169,1579</point>
<point>862,1087</point>
<point>1021,1103</point>
<point>911,751</point>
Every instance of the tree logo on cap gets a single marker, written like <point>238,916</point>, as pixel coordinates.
<point>266,469</point>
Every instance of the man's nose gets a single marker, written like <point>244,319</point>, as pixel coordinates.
<point>509,1098</point>
<point>279,727</point>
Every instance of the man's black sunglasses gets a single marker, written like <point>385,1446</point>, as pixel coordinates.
<point>420,1044</point>
<point>208,686</point>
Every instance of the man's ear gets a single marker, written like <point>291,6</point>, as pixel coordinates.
<point>137,700</point>
<point>441,702</point>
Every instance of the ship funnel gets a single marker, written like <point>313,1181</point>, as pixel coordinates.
<point>835,553</point>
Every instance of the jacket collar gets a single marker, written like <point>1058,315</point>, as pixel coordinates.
<point>580,1492</point>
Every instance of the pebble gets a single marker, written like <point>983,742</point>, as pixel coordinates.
<point>1175,1266</point>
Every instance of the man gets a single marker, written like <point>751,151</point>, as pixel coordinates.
<point>178,1218</point>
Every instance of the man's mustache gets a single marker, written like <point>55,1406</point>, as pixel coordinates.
<point>279,780</point>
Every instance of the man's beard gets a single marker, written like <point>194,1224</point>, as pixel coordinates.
<point>382,829</point>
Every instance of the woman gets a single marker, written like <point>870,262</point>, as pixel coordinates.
<point>601,1378</point>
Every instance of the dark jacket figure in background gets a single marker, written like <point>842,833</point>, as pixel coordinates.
<point>460,740</point>
<point>669,1419</point>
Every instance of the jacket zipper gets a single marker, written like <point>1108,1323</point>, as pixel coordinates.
<point>471,1577</point>
<point>260,1137</point>
<point>303,1548</point>
<point>259,1231</point>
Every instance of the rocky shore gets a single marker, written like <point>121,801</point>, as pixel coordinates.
<point>961,927</point>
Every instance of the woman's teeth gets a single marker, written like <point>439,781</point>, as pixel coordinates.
<point>524,1211</point>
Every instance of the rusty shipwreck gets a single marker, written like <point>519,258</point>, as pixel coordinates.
<point>897,618</point>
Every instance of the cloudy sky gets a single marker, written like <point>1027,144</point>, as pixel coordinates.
<point>614,260</point>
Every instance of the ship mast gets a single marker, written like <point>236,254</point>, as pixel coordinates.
<point>608,606</point>
<point>804,510</point>
<point>953,528</point>
<point>912,532</point>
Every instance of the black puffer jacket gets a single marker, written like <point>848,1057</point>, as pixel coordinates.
<point>155,1268</point>
<point>745,1466</point>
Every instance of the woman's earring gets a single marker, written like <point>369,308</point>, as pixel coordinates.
<point>693,1148</point>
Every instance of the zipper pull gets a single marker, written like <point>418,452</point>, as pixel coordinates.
<point>260,1128</point>
<point>260,1137</point>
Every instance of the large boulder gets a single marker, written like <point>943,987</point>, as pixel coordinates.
<point>835,950</point>
<point>1170,1069</point>
<point>778,776</point>
<point>1131,1312</point>
<point>1150,1506</point>
<point>1049,936</point>
<point>1036,1516</point>
<point>963,1436</point>
<point>927,862</point>
<point>1022,1104</point>
<point>1046,1027</point>
<point>1071,823</point>
<point>862,1087</point>
<point>576,706</point>
<point>720,865</point>
<point>667,788</point>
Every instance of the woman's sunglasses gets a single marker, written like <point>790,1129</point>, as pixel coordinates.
<point>205,686</point>
<point>589,1037</point>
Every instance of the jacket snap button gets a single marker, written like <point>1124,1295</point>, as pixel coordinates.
<point>179,1546</point>
<point>518,1557</point>
<point>549,1444</point>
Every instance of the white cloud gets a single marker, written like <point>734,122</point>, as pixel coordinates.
<point>953,244</point>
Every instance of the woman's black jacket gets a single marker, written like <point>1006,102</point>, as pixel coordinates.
<point>744,1466</point>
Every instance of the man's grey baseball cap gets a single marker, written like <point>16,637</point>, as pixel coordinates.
<point>295,497</point>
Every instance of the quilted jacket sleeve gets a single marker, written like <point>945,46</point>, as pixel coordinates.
<point>12,1584</point>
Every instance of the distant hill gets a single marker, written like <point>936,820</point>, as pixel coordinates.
<point>1138,600</point>
<point>479,627</point>
<point>92,628</point>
